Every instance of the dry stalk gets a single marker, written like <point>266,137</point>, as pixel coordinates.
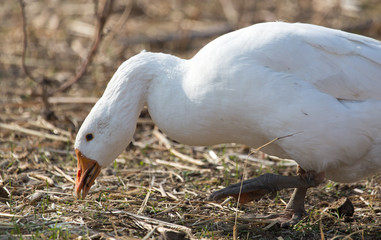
<point>180,166</point>
<point>67,177</point>
<point>153,221</point>
<point>321,230</point>
<point>163,140</point>
<point>17,128</point>
<point>150,233</point>
<point>253,152</point>
<point>235,232</point>
<point>41,123</point>
<point>65,100</point>
<point>44,178</point>
<point>8,215</point>
<point>145,201</point>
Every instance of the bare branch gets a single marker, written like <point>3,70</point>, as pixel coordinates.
<point>102,15</point>
<point>177,36</point>
<point>25,43</point>
<point>103,11</point>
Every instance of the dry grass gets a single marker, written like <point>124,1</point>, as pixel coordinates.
<point>152,190</point>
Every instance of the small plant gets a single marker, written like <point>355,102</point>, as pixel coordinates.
<point>206,233</point>
<point>58,233</point>
<point>16,229</point>
<point>226,172</point>
<point>116,166</point>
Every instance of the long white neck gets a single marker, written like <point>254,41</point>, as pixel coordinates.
<point>118,109</point>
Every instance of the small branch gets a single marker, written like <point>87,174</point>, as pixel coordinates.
<point>17,128</point>
<point>144,203</point>
<point>43,178</point>
<point>177,36</point>
<point>240,189</point>
<point>102,16</point>
<point>155,222</point>
<point>180,166</point>
<point>64,174</point>
<point>75,100</point>
<point>264,161</point>
<point>162,139</point>
<point>150,233</point>
<point>8,215</point>
<point>25,43</point>
<point>45,92</point>
<point>230,12</point>
<point>119,24</point>
<point>274,140</point>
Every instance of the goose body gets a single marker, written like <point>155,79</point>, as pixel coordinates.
<point>320,87</point>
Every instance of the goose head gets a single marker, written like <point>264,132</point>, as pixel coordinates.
<point>110,125</point>
<point>99,141</point>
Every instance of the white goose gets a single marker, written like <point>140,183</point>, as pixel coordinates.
<point>318,85</point>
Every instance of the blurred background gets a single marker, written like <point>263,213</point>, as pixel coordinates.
<point>60,33</point>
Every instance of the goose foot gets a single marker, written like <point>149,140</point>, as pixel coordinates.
<point>294,210</point>
<point>256,188</point>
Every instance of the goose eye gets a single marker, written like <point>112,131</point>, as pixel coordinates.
<point>89,137</point>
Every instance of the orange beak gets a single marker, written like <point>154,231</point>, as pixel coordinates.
<point>87,171</point>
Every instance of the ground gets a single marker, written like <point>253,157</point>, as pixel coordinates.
<point>151,191</point>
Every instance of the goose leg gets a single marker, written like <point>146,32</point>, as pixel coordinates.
<point>268,183</point>
<point>295,208</point>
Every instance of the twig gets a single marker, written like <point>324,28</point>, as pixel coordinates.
<point>17,128</point>
<point>240,189</point>
<point>180,166</point>
<point>55,193</point>
<point>119,24</point>
<point>212,157</point>
<point>25,43</point>
<point>162,139</point>
<point>102,17</point>
<point>10,215</point>
<point>48,126</point>
<point>275,158</point>
<point>230,12</point>
<point>265,162</point>
<point>148,220</point>
<point>269,226</point>
<point>65,100</point>
<point>43,82</point>
<point>114,227</point>
<point>177,36</point>
<point>274,140</point>
<point>43,178</point>
<point>235,232</point>
<point>144,204</point>
<point>321,230</point>
<point>64,174</point>
<point>150,233</point>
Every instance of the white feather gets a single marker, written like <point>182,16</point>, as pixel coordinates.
<point>250,86</point>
